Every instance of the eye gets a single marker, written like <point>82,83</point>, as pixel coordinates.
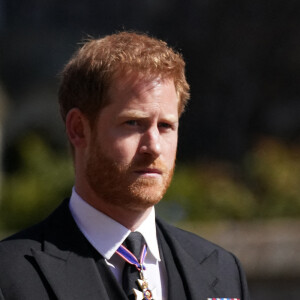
<point>131,122</point>
<point>165,125</point>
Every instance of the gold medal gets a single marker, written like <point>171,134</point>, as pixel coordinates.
<point>145,293</point>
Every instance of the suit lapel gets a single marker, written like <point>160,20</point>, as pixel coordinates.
<point>175,285</point>
<point>199,276</point>
<point>74,278</point>
<point>67,260</point>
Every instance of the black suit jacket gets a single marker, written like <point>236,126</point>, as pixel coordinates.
<point>53,260</point>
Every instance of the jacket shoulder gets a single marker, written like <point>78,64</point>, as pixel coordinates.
<point>21,243</point>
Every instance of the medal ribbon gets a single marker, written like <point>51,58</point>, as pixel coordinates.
<point>130,257</point>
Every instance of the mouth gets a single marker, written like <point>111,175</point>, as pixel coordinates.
<point>149,172</point>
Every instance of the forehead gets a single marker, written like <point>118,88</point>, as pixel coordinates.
<point>142,88</point>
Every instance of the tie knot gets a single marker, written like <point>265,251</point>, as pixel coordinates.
<point>134,243</point>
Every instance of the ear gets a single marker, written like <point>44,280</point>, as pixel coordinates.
<point>77,127</point>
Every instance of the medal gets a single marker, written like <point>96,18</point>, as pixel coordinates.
<point>145,293</point>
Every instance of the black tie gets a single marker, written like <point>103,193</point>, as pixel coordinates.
<point>134,243</point>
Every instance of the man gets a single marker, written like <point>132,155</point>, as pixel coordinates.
<point>121,98</point>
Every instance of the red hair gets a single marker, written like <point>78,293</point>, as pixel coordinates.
<point>88,75</point>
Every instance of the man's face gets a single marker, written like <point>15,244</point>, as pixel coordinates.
<point>132,150</point>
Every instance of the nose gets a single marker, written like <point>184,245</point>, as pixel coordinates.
<point>150,142</point>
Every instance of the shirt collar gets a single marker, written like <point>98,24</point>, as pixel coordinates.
<point>105,234</point>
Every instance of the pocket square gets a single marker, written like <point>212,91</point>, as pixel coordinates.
<point>223,299</point>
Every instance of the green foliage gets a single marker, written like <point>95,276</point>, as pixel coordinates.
<point>43,179</point>
<point>266,185</point>
<point>210,191</point>
<point>273,171</point>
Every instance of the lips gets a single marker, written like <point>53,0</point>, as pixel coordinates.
<point>150,171</point>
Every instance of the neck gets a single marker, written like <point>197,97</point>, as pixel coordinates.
<point>128,218</point>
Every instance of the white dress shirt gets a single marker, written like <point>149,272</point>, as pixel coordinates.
<point>106,235</point>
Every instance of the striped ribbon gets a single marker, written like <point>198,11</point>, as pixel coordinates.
<point>130,257</point>
<point>223,299</point>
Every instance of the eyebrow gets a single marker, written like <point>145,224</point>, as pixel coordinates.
<point>137,114</point>
<point>133,114</point>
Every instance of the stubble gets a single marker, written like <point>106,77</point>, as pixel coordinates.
<point>119,185</point>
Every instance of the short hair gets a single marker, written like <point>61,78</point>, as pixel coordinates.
<point>87,76</point>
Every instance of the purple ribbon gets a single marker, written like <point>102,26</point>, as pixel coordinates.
<point>130,257</point>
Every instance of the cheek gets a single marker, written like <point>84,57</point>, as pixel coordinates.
<point>123,150</point>
<point>170,150</point>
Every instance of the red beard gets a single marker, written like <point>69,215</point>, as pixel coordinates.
<point>121,186</point>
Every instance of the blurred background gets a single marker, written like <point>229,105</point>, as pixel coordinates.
<point>237,181</point>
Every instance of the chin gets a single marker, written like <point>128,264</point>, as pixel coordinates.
<point>141,199</point>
